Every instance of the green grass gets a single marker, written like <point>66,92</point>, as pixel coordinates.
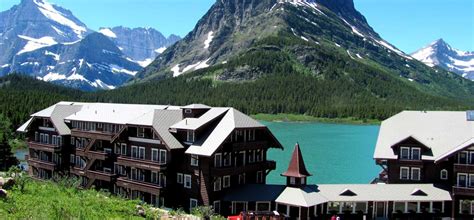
<point>47,200</point>
<point>307,118</point>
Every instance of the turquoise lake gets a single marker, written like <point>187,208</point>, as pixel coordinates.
<point>333,153</point>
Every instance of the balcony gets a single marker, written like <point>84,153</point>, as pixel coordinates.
<point>35,162</point>
<point>144,140</point>
<point>78,171</point>
<point>463,168</point>
<point>43,128</point>
<point>408,162</point>
<point>251,145</point>
<point>92,135</point>
<point>463,191</point>
<point>223,171</point>
<point>141,164</point>
<point>97,155</point>
<point>98,175</point>
<point>44,147</point>
<point>140,186</point>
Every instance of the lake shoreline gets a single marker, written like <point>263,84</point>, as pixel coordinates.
<point>307,118</point>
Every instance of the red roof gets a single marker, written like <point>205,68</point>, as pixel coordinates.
<point>296,168</point>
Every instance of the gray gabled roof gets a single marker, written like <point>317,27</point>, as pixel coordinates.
<point>384,192</point>
<point>307,196</point>
<point>196,106</point>
<point>443,132</point>
<point>233,119</point>
<point>196,123</point>
<point>161,122</point>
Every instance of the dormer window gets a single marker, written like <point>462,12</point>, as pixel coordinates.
<point>190,136</point>
<point>141,132</point>
<point>404,153</point>
<point>188,111</point>
<point>45,122</point>
<point>444,174</point>
<point>415,153</point>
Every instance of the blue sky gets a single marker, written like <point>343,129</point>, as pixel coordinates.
<point>408,24</point>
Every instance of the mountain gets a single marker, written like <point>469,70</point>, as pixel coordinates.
<point>92,63</point>
<point>151,42</point>
<point>441,54</point>
<point>250,40</point>
<point>48,42</point>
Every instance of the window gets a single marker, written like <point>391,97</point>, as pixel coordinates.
<point>154,178</point>
<point>347,207</point>
<point>218,160</point>
<point>117,149</point>
<point>162,180</point>
<point>163,156</point>
<point>259,155</point>
<point>415,173</point>
<point>412,207</point>
<point>194,160</point>
<point>404,153</point>
<point>226,183</point>
<point>462,180</point>
<point>360,207</point>
<point>54,141</point>
<point>252,156</point>
<point>259,177</point>
<point>134,175</point>
<point>292,181</point>
<point>180,178</point>
<point>471,180</point>
<point>141,153</point>
<point>399,207</point>
<point>123,149</point>
<point>73,141</point>
<point>303,181</point>
<point>134,151</point>
<point>227,159</point>
<point>217,206</point>
<point>416,154</point>
<point>462,157</point>
<point>444,174</point>
<point>217,184</point>
<point>187,181</point>
<point>193,203</point>
<point>471,157</point>
<point>333,207</point>
<point>72,158</point>
<point>190,136</point>
<point>141,132</point>
<point>404,173</point>
<point>36,136</point>
<point>155,155</point>
<point>466,207</point>
<point>242,178</point>
<point>45,122</point>
<point>188,111</point>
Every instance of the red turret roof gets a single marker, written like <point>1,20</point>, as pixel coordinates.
<point>296,168</point>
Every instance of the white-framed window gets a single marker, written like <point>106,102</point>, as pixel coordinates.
<point>141,153</point>
<point>54,141</point>
<point>404,153</point>
<point>416,153</point>
<point>471,180</point>
<point>193,203</point>
<point>117,149</point>
<point>444,174</point>
<point>292,181</point>
<point>466,207</point>
<point>217,184</point>
<point>226,182</point>
<point>140,132</point>
<point>123,149</point>
<point>194,160</point>
<point>134,151</point>
<point>404,173</point>
<point>163,159</point>
<point>251,156</point>
<point>303,181</point>
<point>463,158</point>
<point>180,178</point>
<point>259,155</point>
<point>462,179</point>
<point>415,173</point>
<point>188,111</point>
<point>227,159</point>
<point>218,160</point>
<point>242,178</point>
<point>216,205</point>
<point>187,181</point>
<point>154,177</point>
<point>190,136</point>
<point>72,158</point>
<point>73,141</point>
<point>155,155</point>
<point>259,177</point>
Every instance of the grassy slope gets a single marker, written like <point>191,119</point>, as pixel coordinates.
<point>46,200</point>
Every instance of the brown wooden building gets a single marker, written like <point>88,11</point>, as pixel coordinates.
<point>431,147</point>
<point>164,155</point>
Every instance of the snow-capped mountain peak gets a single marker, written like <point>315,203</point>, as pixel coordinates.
<point>439,53</point>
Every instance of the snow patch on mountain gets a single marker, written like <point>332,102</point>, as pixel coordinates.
<point>34,44</point>
<point>50,12</point>
<point>50,77</point>
<point>55,56</point>
<point>117,69</point>
<point>107,32</point>
<point>160,50</point>
<point>207,42</point>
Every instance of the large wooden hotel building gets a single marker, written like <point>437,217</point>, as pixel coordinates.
<point>196,155</point>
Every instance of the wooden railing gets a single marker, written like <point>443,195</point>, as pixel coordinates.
<point>142,164</point>
<point>463,168</point>
<point>140,186</point>
<point>232,170</point>
<point>464,191</point>
<point>43,147</point>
